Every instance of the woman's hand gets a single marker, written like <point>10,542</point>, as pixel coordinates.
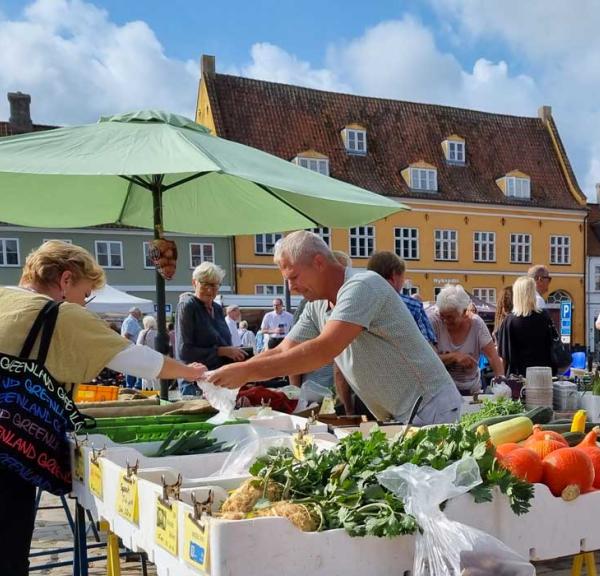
<point>233,352</point>
<point>464,360</point>
<point>195,371</point>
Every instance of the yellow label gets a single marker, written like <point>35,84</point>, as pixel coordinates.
<point>127,498</point>
<point>165,533</point>
<point>78,467</point>
<point>95,480</point>
<point>300,443</point>
<point>327,406</point>
<point>196,543</point>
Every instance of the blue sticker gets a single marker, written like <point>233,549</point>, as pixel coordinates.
<point>197,552</point>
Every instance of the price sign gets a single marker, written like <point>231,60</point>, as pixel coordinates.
<point>300,442</point>
<point>165,530</point>
<point>196,543</point>
<point>127,497</point>
<point>78,466</point>
<point>327,406</point>
<point>95,480</point>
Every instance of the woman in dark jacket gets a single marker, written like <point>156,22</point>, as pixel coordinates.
<point>525,337</point>
<point>200,329</point>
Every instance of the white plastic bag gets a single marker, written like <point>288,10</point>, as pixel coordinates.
<point>221,399</point>
<point>444,547</point>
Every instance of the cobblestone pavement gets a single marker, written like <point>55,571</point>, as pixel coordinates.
<point>52,531</point>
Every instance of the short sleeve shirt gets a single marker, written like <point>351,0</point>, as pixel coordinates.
<point>273,320</point>
<point>131,326</point>
<point>389,364</point>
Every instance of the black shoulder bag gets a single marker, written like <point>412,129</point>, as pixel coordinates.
<point>559,353</point>
<point>36,413</point>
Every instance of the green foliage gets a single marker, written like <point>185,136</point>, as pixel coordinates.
<point>490,408</point>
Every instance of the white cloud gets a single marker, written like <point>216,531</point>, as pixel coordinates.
<point>77,65</point>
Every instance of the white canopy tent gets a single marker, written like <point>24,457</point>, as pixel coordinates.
<point>110,300</point>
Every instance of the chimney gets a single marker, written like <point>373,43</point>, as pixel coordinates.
<point>207,64</point>
<point>545,113</point>
<point>20,117</point>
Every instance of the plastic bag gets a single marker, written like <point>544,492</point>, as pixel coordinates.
<point>444,547</point>
<point>221,399</point>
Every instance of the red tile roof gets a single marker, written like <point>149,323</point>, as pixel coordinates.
<point>284,120</point>
<point>6,129</point>
<point>593,230</point>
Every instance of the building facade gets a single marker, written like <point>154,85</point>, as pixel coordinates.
<point>593,277</point>
<point>490,194</point>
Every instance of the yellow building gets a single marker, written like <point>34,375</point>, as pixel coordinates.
<point>490,194</point>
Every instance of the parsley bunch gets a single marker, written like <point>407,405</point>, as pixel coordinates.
<point>490,408</point>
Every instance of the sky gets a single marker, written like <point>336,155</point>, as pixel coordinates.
<point>80,59</point>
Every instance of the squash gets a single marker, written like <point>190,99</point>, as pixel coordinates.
<point>578,424</point>
<point>568,472</point>
<point>524,464</point>
<point>590,447</point>
<point>544,446</point>
<point>513,430</point>
<point>538,415</point>
<point>539,433</point>
<point>504,449</point>
<point>573,438</point>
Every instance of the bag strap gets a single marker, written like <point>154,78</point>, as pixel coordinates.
<point>35,331</point>
<point>44,323</point>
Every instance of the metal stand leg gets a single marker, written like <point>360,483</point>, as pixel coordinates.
<point>80,560</point>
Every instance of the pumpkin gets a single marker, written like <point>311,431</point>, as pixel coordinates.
<point>544,446</point>
<point>590,447</point>
<point>524,464</point>
<point>539,434</point>
<point>568,472</point>
<point>504,449</point>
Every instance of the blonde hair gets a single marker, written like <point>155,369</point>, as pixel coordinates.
<point>524,296</point>
<point>45,265</point>
<point>149,322</point>
<point>208,272</point>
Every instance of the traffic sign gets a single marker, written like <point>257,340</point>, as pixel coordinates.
<point>566,310</point>
<point>168,308</point>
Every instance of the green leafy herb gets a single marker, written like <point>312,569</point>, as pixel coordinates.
<point>490,408</point>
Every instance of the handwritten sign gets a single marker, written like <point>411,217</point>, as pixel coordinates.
<point>196,542</point>
<point>300,442</point>
<point>166,527</point>
<point>78,464</point>
<point>95,480</point>
<point>127,497</point>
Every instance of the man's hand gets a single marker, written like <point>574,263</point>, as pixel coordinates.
<point>195,371</point>
<point>232,352</point>
<point>230,376</point>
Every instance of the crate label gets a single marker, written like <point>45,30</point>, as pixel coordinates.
<point>127,497</point>
<point>196,543</point>
<point>300,442</point>
<point>78,466</point>
<point>165,533</point>
<point>95,480</point>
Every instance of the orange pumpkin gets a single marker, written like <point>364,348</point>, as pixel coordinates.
<point>539,434</point>
<point>504,449</point>
<point>524,464</point>
<point>590,447</point>
<point>568,472</point>
<point>544,446</point>
<point>591,438</point>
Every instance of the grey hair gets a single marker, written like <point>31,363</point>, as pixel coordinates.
<point>537,271</point>
<point>301,246</point>
<point>208,272</point>
<point>453,297</point>
<point>244,324</point>
<point>149,322</point>
<point>342,258</point>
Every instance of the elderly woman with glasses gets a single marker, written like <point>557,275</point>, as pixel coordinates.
<point>461,338</point>
<point>201,333</point>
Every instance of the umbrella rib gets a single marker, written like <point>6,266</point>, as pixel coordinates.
<point>185,180</point>
<point>271,193</point>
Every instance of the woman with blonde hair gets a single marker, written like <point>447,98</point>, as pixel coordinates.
<point>525,336</point>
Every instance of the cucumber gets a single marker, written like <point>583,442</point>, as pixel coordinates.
<point>573,438</point>
<point>540,415</point>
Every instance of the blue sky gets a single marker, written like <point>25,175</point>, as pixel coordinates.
<point>79,59</point>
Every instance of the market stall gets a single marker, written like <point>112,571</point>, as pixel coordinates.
<point>111,300</point>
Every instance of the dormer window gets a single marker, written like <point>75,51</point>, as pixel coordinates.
<point>313,161</point>
<point>421,176</point>
<point>355,139</point>
<point>516,185</point>
<point>454,149</point>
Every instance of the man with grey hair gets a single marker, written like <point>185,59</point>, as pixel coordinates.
<point>542,278</point>
<point>130,329</point>
<point>232,316</point>
<point>359,322</point>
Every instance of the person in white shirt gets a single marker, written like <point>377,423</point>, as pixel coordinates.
<point>277,324</point>
<point>542,278</point>
<point>247,337</point>
<point>232,316</point>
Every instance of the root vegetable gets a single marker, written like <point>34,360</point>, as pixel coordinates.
<point>244,498</point>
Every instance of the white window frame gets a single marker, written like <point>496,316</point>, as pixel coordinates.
<point>406,243</point>
<point>364,241</point>
<point>560,250</point>
<point>486,294</point>
<point>324,232</point>
<point>145,250</point>
<point>203,246</point>
<point>456,155</point>
<point>518,187</point>
<point>356,141</point>
<point>596,278</point>
<point>410,290</point>
<point>423,179</point>
<point>65,240</point>
<point>269,289</point>
<point>319,165</point>
<point>484,246</point>
<point>109,254</point>
<point>520,248</point>
<point>4,253</point>
<point>268,239</point>
<point>445,244</point>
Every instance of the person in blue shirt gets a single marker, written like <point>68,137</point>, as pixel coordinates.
<point>130,329</point>
<point>392,268</point>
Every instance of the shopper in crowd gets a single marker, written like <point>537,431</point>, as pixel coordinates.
<point>525,337</point>
<point>462,337</point>
<point>504,306</point>
<point>260,341</point>
<point>171,332</point>
<point>391,267</point>
<point>202,335</point>
<point>247,337</point>
<point>232,317</point>
<point>359,322</point>
<point>542,278</point>
<point>81,346</point>
<point>276,323</point>
<point>147,337</point>
<point>130,329</point>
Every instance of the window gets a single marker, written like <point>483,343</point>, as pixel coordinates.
<point>518,187</point>
<point>486,294</point>
<point>9,252</point>
<point>410,290</point>
<point>148,264</point>
<point>362,241</point>
<point>520,248</point>
<point>65,240</point>
<point>484,246</point>
<point>446,244</point>
<point>597,279</point>
<point>560,249</point>
<point>323,232</point>
<point>436,291</point>
<point>456,151</point>
<point>264,243</point>
<point>558,297</point>
<point>109,254</point>
<point>407,243</point>
<point>269,289</point>
<point>201,253</point>
<point>320,165</point>
<point>423,179</point>
<point>356,141</point>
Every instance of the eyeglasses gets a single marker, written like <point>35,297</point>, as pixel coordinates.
<point>87,300</point>
<point>549,278</point>
<point>211,285</point>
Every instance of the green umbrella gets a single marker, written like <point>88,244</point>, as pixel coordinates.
<point>161,171</point>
